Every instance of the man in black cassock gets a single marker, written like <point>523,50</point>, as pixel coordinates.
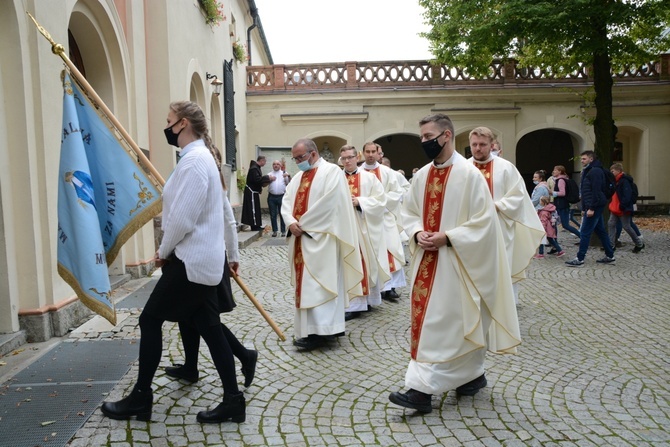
<point>251,205</point>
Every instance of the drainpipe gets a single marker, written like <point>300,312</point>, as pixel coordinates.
<point>254,13</point>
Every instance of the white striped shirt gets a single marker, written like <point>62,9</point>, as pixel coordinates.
<point>193,216</point>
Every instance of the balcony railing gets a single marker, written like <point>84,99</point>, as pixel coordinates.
<point>421,74</point>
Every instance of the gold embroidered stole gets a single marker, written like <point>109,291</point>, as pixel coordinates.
<point>422,288</point>
<point>299,208</point>
<point>487,171</point>
<point>354,182</point>
<point>392,267</point>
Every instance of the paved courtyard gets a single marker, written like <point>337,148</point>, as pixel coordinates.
<point>593,369</point>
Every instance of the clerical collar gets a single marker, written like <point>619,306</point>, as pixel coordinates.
<point>372,166</point>
<point>351,173</point>
<point>447,163</point>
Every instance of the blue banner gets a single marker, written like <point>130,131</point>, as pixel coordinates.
<point>104,197</point>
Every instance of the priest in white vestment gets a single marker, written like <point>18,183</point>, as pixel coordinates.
<point>369,203</point>
<point>462,299</point>
<point>325,259</point>
<point>519,222</point>
<point>392,228</point>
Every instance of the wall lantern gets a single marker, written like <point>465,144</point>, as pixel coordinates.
<point>216,84</point>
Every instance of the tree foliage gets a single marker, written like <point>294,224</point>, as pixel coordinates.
<point>559,35</point>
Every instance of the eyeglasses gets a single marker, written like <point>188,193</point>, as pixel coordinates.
<point>300,158</point>
<point>348,158</point>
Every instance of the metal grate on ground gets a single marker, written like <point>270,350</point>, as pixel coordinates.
<point>46,403</point>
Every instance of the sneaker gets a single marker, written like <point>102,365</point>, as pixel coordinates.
<point>638,249</point>
<point>538,256</point>
<point>575,263</point>
<point>553,251</point>
<point>606,260</point>
<point>274,234</point>
<point>560,253</point>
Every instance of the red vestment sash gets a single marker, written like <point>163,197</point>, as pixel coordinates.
<point>487,171</point>
<point>433,201</point>
<point>299,208</point>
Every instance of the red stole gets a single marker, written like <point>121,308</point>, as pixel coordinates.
<point>433,201</point>
<point>392,267</point>
<point>354,182</point>
<point>299,208</point>
<point>487,171</point>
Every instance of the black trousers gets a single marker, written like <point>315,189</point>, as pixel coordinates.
<point>173,289</point>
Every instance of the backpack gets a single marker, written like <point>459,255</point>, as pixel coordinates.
<point>571,190</point>
<point>609,187</point>
<point>634,188</point>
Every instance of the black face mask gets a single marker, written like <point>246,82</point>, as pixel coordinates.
<point>172,138</point>
<point>432,148</point>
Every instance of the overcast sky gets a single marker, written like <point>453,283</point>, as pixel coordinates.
<point>344,30</point>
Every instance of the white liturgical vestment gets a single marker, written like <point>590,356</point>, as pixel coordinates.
<point>326,265</point>
<point>462,298</point>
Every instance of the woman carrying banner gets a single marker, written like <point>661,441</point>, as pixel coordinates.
<point>191,255</point>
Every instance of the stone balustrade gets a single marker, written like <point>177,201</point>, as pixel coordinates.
<point>424,75</point>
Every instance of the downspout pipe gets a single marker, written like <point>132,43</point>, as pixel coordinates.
<point>254,13</point>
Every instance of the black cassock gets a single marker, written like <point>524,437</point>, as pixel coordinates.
<point>251,204</point>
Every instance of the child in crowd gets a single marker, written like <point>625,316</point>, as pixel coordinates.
<point>547,214</point>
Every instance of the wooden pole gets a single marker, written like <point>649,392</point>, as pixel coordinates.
<point>259,307</point>
<point>60,51</point>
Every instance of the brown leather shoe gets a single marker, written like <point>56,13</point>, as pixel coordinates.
<point>413,399</point>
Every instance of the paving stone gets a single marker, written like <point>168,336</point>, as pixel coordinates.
<point>591,371</point>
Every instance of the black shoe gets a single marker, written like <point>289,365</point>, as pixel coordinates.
<point>255,228</point>
<point>392,293</point>
<point>412,399</point>
<point>553,251</point>
<point>638,249</point>
<point>310,342</point>
<point>274,234</point>
<point>138,403</point>
<point>180,372</point>
<point>249,367</point>
<point>472,387</point>
<point>232,408</point>
<point>351,315</point>
<point>387,297</point>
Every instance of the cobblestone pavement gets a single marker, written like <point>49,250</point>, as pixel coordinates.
<point>592,371</point>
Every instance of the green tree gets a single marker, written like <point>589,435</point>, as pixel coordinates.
<point>557,35</point>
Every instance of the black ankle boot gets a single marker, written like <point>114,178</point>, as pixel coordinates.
<point>232,407</point>
<point>137,403</point>
<point>249,367</point>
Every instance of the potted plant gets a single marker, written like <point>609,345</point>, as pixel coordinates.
<point>239,51</point>
<point>213,11</point>
<point>241,180</point>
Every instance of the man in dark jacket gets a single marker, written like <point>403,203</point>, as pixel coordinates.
<point>251,203</point>
<point>593,204</point>
<point>621,207</point>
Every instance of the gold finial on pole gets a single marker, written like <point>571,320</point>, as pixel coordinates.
<point>56,48</point>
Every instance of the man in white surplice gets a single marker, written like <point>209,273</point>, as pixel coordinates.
<point>462,300</point>
<point>369,202</point>
<point>518,218</point>
<point>325,259</point>
<point>392,227</point>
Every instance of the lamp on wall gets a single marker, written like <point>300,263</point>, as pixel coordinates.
<point>216,84</point>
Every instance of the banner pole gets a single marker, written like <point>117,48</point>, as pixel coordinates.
<point>259,307</point>
<point>58,49</point>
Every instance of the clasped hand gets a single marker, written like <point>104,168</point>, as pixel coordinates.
<point>431,241</point>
